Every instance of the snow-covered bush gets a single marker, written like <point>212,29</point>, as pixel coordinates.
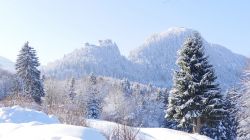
<point>124,132</point>
<point>21,100</point>
<point>57,102</point>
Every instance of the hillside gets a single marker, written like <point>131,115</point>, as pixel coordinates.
<point>152,62</point>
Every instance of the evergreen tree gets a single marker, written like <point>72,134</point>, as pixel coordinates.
<point>92,79</point>
<point>227,128</point>
<point>232,107</point>
<point>94,102</point>
<point>72,92</point>
<point>162,96</point>
<point>243,115</point>
<point>195,99</point>
<point>26,67</point>
<point>218,132</point>
<point>126,86</point>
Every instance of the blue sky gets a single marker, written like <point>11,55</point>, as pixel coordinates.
<point>57,27</point>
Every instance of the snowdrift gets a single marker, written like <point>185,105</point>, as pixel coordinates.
<point>17,114</point>
<point>38,131</point>
<point>28,124</point>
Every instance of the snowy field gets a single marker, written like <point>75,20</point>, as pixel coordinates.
<point>20,123</point>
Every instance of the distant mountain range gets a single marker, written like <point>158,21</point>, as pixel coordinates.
<point>153,62</point>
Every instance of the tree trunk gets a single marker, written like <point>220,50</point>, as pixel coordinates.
<point>197,125</point>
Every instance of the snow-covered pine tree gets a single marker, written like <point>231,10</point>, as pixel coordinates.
<point>94,102</point>
<point>243,115</point>
<point>231,105</point>
<point>26,67</point>
<point>72,92</point>
<point>195,99</point>
<point>226,129</point>
<point>162,95</point>
<point>92,79</point>
<point>126,87</point>
<point>218,132</point>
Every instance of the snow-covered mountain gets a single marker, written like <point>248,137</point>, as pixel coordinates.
<point>103,59</point>
<point>6,64</point>
<point>153,62</point>
<point>158,55</point>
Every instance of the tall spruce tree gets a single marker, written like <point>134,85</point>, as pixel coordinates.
<point>94,102</point>
<point>195,99</point>
<point>72,92</point>
<point>232,106</point>
<point>26,67</point>
<point>243,115</point>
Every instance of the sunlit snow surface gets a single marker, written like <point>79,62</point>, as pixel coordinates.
<point>27,124</point>
<point>148,133</point>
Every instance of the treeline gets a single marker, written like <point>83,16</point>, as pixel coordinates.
<point>110,99</point>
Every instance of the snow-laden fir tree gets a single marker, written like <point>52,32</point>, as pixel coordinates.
<point>226,129</point>
<point>72,92</point>
<point>26,68</point>
<point>195,99</point>
<point>218,132</point>
<point>232,106</point>
<point>163,96</point>
<point>126,86</point>
<point>243,115</point>
<point>94,102</point>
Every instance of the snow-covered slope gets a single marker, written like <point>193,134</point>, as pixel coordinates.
<point>153,62</point>
<point>27,124</point>
<point>36,131</point>
<point>16,114</point>
<point>6,64</point>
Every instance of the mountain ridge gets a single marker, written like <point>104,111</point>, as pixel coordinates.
<point>151,63</point>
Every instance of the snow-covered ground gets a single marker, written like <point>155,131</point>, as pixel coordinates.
<point>148,133</point>
<point>16,114</point>
<point>26,124</point>
<point>162,134</point>
<point>39,131</point>
<point>21,123</point>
